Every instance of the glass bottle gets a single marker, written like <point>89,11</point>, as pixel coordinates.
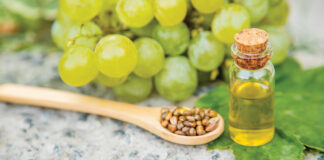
<point>251,102</point>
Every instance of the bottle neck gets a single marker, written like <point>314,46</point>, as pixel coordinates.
<point>250,61</point>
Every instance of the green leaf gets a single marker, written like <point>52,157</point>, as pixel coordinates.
<point>299,104</point>
<point>286,69</point>
<point>299,110</point>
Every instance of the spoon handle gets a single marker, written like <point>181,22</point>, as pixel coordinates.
<point>50,98</point>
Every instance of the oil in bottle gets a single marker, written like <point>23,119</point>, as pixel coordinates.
<point>251,113</point>
<point>251,101</point>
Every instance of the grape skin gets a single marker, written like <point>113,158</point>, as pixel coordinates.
<point>116,56</point>
<point>224,27</point>
<point>81,10</point>
<point>135,89</point>
<point>207,6</point>
<point>277,15</point>
<point>256,8</point>
<point>64,19</point>
<point>109,81</point>
<point>150,57</point>
<point>77,66</point>
<point>170,12</point>
<point>177,80</point>
<point>89,36</point>
<point>135,13</point>
<point>280,43</point>
<point>205,52</point>
<point>57,33</point>
<point>173,39</point>
<point>65,35</point>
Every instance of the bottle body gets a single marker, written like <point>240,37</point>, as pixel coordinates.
<point>251,104</point>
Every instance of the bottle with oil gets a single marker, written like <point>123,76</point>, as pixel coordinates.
<point>251,102</point>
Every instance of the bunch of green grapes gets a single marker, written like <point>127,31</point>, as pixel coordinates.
<point>133,46</point>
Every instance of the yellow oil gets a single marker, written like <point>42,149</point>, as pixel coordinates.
<point>251,113</point>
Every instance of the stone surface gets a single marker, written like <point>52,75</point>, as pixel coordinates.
<point>28,132</point>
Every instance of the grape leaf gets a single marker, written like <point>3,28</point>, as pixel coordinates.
<point>299,114</point>
<point>300,100</point>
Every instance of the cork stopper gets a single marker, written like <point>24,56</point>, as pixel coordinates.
<point>251,49</point>
<point>252,40</point>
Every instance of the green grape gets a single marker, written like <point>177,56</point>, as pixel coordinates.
<point>231,19</point>
<point>116,56</point>
<point>277,15</point>
<point>173,39</point>
<point>280,43</point>
<point>177,80</point>
<point>207,6</point>
<point>58,36</point>
<point>135,89</point>
<point>109,81</point>
<point>150,57</point>
<point>81,10</point>
<point>60,29</point>
<point>256,8</point>
<point>205,52</point>
<point>90,28</point>
<point>66,33</point>
<point>70,31</point>
<point>135,13</point>
<point>145,31</point>
<point>64,19</point>
<point>89,42</point>
<point>170,12</point>
<point>77,66</point>
<point>86,34</point>
<point>90,33</point>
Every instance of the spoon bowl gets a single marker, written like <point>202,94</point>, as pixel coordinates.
<point>147,118</point>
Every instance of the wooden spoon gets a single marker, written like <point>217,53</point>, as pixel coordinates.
<point>145,117</point>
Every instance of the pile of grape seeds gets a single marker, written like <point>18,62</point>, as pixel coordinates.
<point>189,121</point>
